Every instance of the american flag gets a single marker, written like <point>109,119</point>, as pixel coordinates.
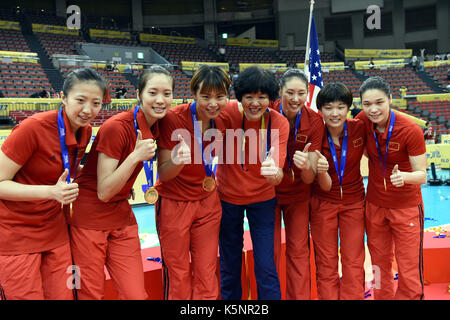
<point>314,68</point>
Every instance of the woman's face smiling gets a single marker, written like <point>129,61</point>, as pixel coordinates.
<point>254,105</point>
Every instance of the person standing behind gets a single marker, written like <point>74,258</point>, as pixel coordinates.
<point>394,209</point>
<point>293,193</point>
<point>337,203</point>
<point>246,182</point>
<point>103,227</point>
<point>37,161</point>
<point>188,210</point>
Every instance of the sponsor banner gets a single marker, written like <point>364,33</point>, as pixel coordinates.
<point>436,63</point>
<point>278,67</point>
<point>112,34</point>
<point>434,97</point>
<point>17,54</point>
<point>445,138</point>
<point>378,53</point>
<point>10,25</point>
<point>170,39</point>
<point>252,43</point>
<point>326,66</point>
<point>439,154</point>
<point>380,64</point>
<point>44,28</point>
<point>193,65</point>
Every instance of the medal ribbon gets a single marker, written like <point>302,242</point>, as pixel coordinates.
<point>148,164</point>
<point>198,136</point>
<point>263,126</point>
<point>340,173</point>
<point>297,123</point>
<point>389,134</point>
<point>64,149</point>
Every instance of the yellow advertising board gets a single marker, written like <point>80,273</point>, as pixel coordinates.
<point>44,28</point>
<point>112,34</point>
<point>445,138</point>
<point>193,65</point>
<point>378,53</point>
<point>244,42</point>
<point>436,63</point>
<point>10,25</point>
<point>380,64</point>
<point>326,66</point>
<point>434,97</point>
<point>439,154</point>
<point>279,67</point>
<point>147,37</point>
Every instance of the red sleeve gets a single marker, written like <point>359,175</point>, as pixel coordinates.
<point>112,139</point>
<point>316,138</point>
<point>22,142</point>
<point>415,141</point>
<point>167,127</point>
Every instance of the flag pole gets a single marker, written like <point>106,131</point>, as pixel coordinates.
<point>311,6</point>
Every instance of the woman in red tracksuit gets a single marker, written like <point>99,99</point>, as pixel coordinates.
<point>294,191</point>
<point>394,208</point>
<point>188,211</point>
<point>37,161</point>
<point>103,228</point>
<point>337,203</point>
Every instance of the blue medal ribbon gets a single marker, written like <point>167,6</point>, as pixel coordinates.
<point>62,142</point>
<point>148,164</point>
<point>340,173</point>
<point>389,134</point>
<point>297,123</point>
<point>198,136</point>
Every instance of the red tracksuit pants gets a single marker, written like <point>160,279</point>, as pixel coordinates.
<point>396,232</point>
<point>120,251</point>
<point>37,276</point>
<point>330,222</point>
<point>296,227</point>
<point>189,237</point>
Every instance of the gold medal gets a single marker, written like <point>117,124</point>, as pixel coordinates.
<point>71,211</point>
<point>292,175</point>
<point>209,184</point>
<point>384,180</point>
<point>340,187</point>
<point>151,195</point>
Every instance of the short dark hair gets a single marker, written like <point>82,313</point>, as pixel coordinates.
<point>293,73</point>
<point>213,78</point>
<point>82,75</point>
<point>148,73</point>
<point>255,79</point>
<point>377,83</point>
<point>333,92</point>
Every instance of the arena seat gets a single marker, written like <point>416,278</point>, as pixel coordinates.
<point>439,74</point>
<point>176,52</point>
<point>13,40</point>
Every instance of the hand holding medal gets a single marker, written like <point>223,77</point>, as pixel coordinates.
<point>182,153</point>
<point>301,159</point>
<point>397,177</point>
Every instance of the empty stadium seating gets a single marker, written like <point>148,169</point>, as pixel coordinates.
<point>13,40</point>
<point>176,52</point>
<point>439,74</point>
<point>58,43</point>
<point>398,77</point>
<point>292,57</point>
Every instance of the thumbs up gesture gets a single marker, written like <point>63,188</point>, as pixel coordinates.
<point>144,149</point>
<point>397,177</point>
<point>301,159</point>
<point>322,162</point>
<point>268,167</point>
<point>182,153</point>
<point>64,192</point>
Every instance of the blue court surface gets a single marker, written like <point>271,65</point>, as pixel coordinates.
<point>436,201</point>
